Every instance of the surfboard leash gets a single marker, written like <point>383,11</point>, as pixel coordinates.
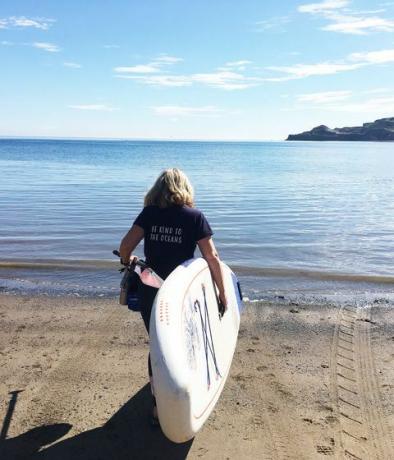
<point>209,347</point>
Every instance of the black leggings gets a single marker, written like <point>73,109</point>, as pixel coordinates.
<point>146,295</point>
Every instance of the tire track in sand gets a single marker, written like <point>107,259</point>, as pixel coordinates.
<point>363,433</point>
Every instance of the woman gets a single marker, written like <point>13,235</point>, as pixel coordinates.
<point>171,228</point>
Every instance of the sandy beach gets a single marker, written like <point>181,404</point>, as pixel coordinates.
<point>307,382</point>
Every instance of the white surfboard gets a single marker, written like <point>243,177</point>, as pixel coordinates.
<point>191,346</point>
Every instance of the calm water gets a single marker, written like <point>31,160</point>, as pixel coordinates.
<point>292,218</point>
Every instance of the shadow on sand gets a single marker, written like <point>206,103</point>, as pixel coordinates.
<point>126,435</point>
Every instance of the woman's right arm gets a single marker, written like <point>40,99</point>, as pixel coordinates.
<point>210,254</point>
<point>130,242</point>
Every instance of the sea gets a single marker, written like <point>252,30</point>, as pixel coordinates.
<point>296,221</point>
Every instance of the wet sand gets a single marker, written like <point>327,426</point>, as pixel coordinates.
<point>307,382</point>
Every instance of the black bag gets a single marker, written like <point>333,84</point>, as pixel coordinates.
<point>129,289</point>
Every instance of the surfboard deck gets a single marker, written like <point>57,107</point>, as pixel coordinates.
<point>191,346</point>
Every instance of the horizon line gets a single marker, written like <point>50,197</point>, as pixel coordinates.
<point>128,139</point>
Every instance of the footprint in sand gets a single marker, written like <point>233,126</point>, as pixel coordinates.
<point>324,450</point>
<point>262,368</point>
<point>331,419</point>
<point>258,420</point>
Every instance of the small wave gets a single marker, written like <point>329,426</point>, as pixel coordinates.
<point>240,270</point>
<point>59,264</point>
<point>311,274</point>
<point>21,286</point>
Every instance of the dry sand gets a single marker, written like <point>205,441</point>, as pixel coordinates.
<point>307,382</point>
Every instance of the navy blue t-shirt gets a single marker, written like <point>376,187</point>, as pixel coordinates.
<point>170,235</point>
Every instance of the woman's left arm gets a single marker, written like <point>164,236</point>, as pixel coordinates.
<point>210,254</point>
<point>130,242</point>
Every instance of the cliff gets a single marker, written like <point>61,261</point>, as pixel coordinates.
<point>379,130</point>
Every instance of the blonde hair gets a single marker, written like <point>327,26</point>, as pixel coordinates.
<point>171,188</point>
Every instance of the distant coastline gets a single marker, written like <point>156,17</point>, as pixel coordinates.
<point>381,130</point>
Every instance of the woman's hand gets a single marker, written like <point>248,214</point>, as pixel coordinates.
<point>223,300</point>
<point>132,260</point>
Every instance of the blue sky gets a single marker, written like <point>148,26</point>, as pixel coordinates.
<point>172,69</point>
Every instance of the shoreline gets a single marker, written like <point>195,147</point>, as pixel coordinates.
<point>80,364</point>
<point>97,265</point>
<point>280,287</point>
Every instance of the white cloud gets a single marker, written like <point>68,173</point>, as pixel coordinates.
<point>347,21</point>
<point>142,68</point>
<point>72,65</point>
<point>165,59</point>
<point>23,22</point>
<point>176,111</point>
<point>50,47</point>
<point>93,107</point>
<point>232,75</point>
<point>156,73</point>
<point>157,65</point>
<point>318,8</point>
<point>6,43</point>
<point>325,97</point>
<point>379,105</point>
<point>273,24</point>
<point>377,91</point>
<point>226,80</point>
<point>160,80</point>
<point>360,26</point>
<point>374,57</point>
<point>351,62</point>
<point>381,10</point>
<point>223,80</point>
<point>307,70</point>
<point>237,63</point>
